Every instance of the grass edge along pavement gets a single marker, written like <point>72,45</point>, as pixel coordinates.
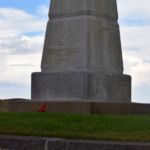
<point>73,126</point>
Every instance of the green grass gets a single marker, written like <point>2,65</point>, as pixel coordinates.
<point>95,127</point>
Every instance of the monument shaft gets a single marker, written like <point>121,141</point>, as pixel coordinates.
<point>83,35</point>
<point>82,56</point>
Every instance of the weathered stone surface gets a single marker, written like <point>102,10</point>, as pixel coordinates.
<point>81,86</point>
<point>76,106</point>
<point>65,46</point>
<point>82,56</point>
<point>3,106</point>
<point>83,7</point>
<point>79,40</point>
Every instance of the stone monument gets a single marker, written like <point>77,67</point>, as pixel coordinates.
<point>82,56</point>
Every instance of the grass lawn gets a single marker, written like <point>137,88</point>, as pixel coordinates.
<point>95,127</point>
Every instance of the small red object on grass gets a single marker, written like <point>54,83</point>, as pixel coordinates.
<point>43,107</point>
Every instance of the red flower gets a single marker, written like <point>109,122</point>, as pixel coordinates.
<point>43,107</point>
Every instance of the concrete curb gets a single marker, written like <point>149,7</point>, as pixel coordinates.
<point>43,143</point>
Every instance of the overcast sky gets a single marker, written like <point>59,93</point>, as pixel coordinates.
<point>22,30</point>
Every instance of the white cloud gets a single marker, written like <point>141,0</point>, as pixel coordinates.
<point>136,50</point>
<point>15,22</point>
<point>139,70</point>
<point>135,9</point>
<point>135,30</point>
<point>21,32</point>
<point>21,44</point>
<point>18,69</point>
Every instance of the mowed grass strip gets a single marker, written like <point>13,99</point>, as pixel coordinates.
<point>91,127</point>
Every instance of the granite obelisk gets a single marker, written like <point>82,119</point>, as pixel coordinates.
<point>82,56</point>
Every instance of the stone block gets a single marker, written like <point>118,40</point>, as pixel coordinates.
<point>59,86</point>
<point>76,107</point>
<point>81,86</point>
<point>67,8</point>
<point>3,106</point>
<point>82,43</point>
<point>111,88</point>
<point>68,107</point>
<point>66,48</point>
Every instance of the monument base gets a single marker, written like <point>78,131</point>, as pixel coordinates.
<point>81,86</point>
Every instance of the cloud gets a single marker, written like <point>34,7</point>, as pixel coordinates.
<point>21,44</point>
<point>15,22</point>
<point>136,50</point>
<point>21,32</point>
<point>135,11</point>
<point>134,18</point>
<point>139,70</point>
<point>18,69</point>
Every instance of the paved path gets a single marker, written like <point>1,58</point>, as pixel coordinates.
<point>43,143</point>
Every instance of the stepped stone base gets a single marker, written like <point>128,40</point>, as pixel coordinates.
<point>81,86</point>
<point>75,107</point>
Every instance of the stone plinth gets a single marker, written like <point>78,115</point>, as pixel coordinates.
<point>81,86</point>
<point>82,56</point>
